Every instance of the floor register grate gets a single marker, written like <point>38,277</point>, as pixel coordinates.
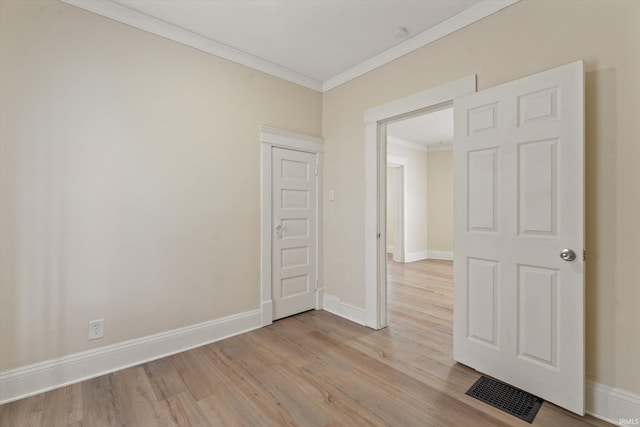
<point>509,399</point>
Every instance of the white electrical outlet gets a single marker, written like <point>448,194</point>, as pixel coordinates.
<point>96,329</point>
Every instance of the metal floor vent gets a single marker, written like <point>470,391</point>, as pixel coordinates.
<point>509,399</point>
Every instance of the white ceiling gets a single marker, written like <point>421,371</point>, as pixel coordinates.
<point>319,39</point>
<point>316,43</point>
<point>427,130</point>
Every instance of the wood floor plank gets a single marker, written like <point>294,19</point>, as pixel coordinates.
<point>219,412</point>
<point>343,410</point>
<point>164,378</point>
<point>362,397</point>
<point>392,382</point>
<point>192,368</point>
<point>313,369</point>
<point>244,393</point>
<point>100,404</point>
<point>135,398</point>
<point>181,410</point>
<point>64,404</point>
<point>301,400</point>
<point>25,412</point>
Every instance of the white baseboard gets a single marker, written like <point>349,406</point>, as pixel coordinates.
<point>319,299</point>
<point>389,249</point>
<point>416,256</point>
<point>267,312</point>
<point>446,255</point>
<point>618,407</point>
<point>420,255</point>
<point>332,304</point>
<point>33,379</point>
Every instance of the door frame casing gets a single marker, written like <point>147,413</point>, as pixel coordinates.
<point>399,166</point>
<point>375,248</point>
<point>269,138</point>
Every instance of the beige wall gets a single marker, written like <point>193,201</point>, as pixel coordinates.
<point>528,37</point>
<point>130,180</point>
<point>415,200</point>
<point>440,200</point>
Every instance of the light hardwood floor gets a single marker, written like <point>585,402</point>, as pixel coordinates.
<point>313,369</point>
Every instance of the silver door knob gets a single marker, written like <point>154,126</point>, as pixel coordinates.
<point>279,231</point>
<point>567,255</point>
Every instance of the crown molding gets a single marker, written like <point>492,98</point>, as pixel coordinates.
<point>156,26</point>
<point>392,140</point>
<point>399,142</point>
<point>142,21</point>
<point>445,146</point>
<point>394,160</point>
<point>461,20</point>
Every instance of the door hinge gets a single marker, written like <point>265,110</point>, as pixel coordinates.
<point>378,236</point>
<point>584,255</point>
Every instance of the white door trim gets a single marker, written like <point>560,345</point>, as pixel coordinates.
<point>375,120</point>
<point>269,138</point>
<point>399,165</point>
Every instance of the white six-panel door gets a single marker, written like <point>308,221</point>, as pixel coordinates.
<point>519,197</point>
<point>294,231</point>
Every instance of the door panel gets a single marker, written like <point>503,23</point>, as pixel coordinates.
<point>294,232</point>
<point>483,190</point>
<point>537,314</point>
<point>482,289</point>
<point>519,196</point>
<point>537,187</point>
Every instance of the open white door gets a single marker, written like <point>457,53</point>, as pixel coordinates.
<point>519,217</point>
<point>294,231</point>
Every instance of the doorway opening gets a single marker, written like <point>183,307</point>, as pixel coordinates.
<point>376,122</point>
<point>420,187</point>
<point>419,223</point>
